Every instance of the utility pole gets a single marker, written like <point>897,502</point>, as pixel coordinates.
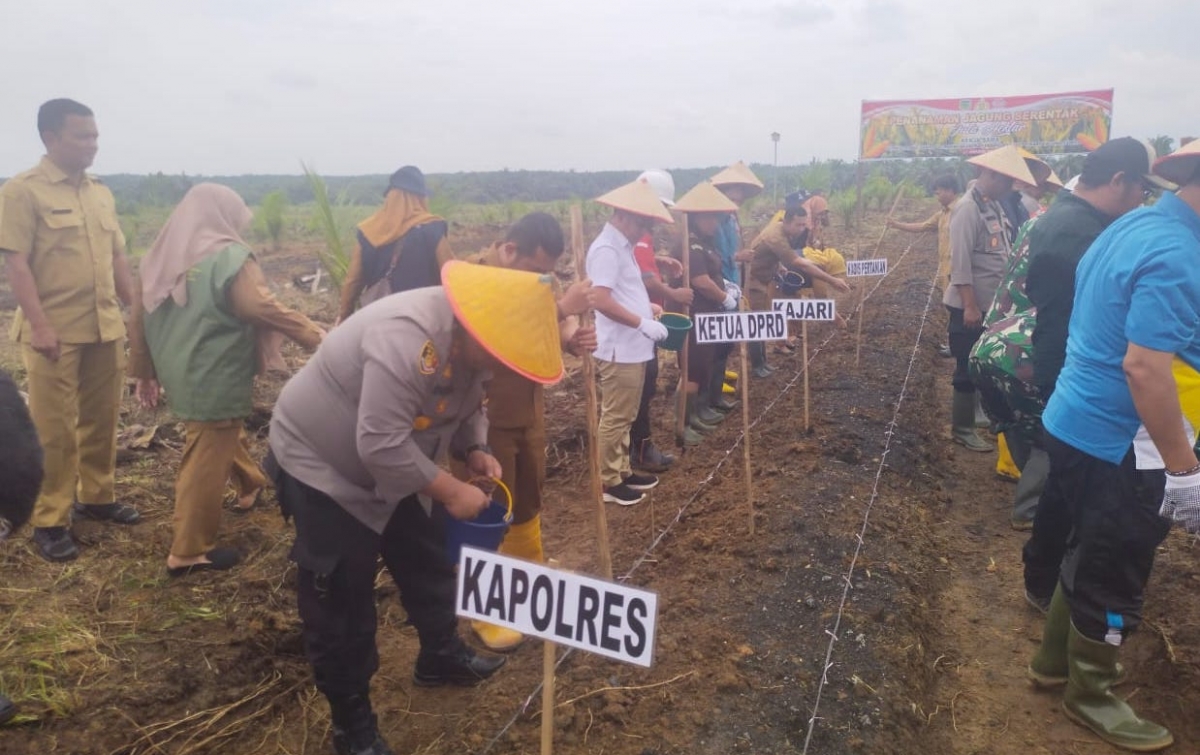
<point>775,190</point>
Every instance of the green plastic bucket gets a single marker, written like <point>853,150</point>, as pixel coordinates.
<point>677,330</point>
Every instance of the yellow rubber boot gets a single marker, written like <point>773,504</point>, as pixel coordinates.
<point>521,541</point>
<point>731,376</point>
<point>1005,466</point>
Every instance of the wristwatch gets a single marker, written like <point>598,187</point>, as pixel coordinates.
<point>485,448</point>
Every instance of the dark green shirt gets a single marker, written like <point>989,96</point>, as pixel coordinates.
<point>1056,244</point>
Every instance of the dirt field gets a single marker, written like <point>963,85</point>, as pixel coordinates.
<point>894,577</point>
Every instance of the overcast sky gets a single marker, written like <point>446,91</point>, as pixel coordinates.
<point>362,86</point>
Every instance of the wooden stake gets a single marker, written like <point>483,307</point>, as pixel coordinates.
<point>862,306</point>
<point>548,652</point>
<point>862,294</point>
<point>593,411</point>
<point>804,338</point>
<point>681,398</point>
<point>744,378</point>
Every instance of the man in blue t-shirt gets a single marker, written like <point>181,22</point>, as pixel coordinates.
<point>1133,354</point>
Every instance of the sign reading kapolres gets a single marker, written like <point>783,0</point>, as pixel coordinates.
<point>1062,123</point>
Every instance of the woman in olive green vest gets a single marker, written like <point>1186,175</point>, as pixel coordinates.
<point>203,326</point>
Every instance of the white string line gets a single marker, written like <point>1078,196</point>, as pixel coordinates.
<point>887,447</point>
<point>536,693</point>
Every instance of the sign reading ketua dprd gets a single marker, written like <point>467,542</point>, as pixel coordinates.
<point>600,617</point>
<point>821,310</point>
<point>731,327</point>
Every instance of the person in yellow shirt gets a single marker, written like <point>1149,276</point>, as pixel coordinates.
<point>65,258</point>
<point>946,189</point>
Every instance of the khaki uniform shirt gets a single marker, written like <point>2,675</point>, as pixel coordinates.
<point>514,402</point>
<point>771,249</point>
<point>980,244</point>
<point>385,398</point>
<point>69,235</point>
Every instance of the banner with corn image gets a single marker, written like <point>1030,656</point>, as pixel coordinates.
<point>1045,124</point>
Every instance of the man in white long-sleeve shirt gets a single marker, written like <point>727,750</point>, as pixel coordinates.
<point>626,332</point>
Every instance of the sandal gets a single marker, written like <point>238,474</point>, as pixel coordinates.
<point>219,559</point>
<point>254,497</point>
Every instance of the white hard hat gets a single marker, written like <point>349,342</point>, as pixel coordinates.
<point>662,183</point>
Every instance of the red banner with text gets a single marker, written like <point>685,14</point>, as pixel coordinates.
<point>1045,124</point>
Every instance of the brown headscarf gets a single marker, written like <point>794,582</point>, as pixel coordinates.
<point>401,212</point>
<point>209,218</point>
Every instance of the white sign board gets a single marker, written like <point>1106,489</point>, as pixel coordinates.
<point>821,310</point>
<point>863,268</point>
<point>733,327</point>
<point>606,618</point>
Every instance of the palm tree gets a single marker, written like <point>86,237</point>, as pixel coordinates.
<point>1163,145</point>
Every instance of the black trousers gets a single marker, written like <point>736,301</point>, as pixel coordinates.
<point>1115,532</point>
<point>962,339</point>
<point>639,432</point>
<point>338,559</point>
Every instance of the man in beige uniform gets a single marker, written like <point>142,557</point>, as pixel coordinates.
<point>65,257</point>
<point>516,404</point>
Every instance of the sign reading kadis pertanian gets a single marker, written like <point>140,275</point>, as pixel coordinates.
<point>1046,124</point>
<point>606,618</point>
<point>734,327</point>
<point>865,268</point>
<point>819,310</point>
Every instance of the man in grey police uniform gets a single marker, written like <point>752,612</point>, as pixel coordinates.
<point>356,438</point>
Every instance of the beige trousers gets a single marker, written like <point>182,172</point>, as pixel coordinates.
<point>75,403</point>
<point>620,397</point>
<point>214,453</point>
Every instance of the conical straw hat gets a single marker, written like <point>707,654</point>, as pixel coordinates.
<point>1179,166</point>
<point>738,175</point>
<point>637,197</point>
<point>705,197</point>
<point>1053,182</point>
<point>1040,169</point>
<point>1007,161</point>
<point>511,314</point>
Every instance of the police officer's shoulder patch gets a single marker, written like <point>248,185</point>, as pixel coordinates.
<point>428,362</point>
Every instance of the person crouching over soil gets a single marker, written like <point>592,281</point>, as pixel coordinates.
<point>203,325</point>
<point>706,208</point>
<point>774,248</point>
<point>21,473</point>
<point>356,441</point>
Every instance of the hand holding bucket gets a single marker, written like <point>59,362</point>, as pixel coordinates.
<point>485,531</point>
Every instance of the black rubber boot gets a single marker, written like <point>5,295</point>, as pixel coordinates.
<point>355,728</point>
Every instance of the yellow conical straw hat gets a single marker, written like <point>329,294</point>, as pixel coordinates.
<point>740,175</point>
<point>637,197</point>
<point>1179,166</point>
<point>510,313</point>
<point>1007,161</point>
<point>705,197</point>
